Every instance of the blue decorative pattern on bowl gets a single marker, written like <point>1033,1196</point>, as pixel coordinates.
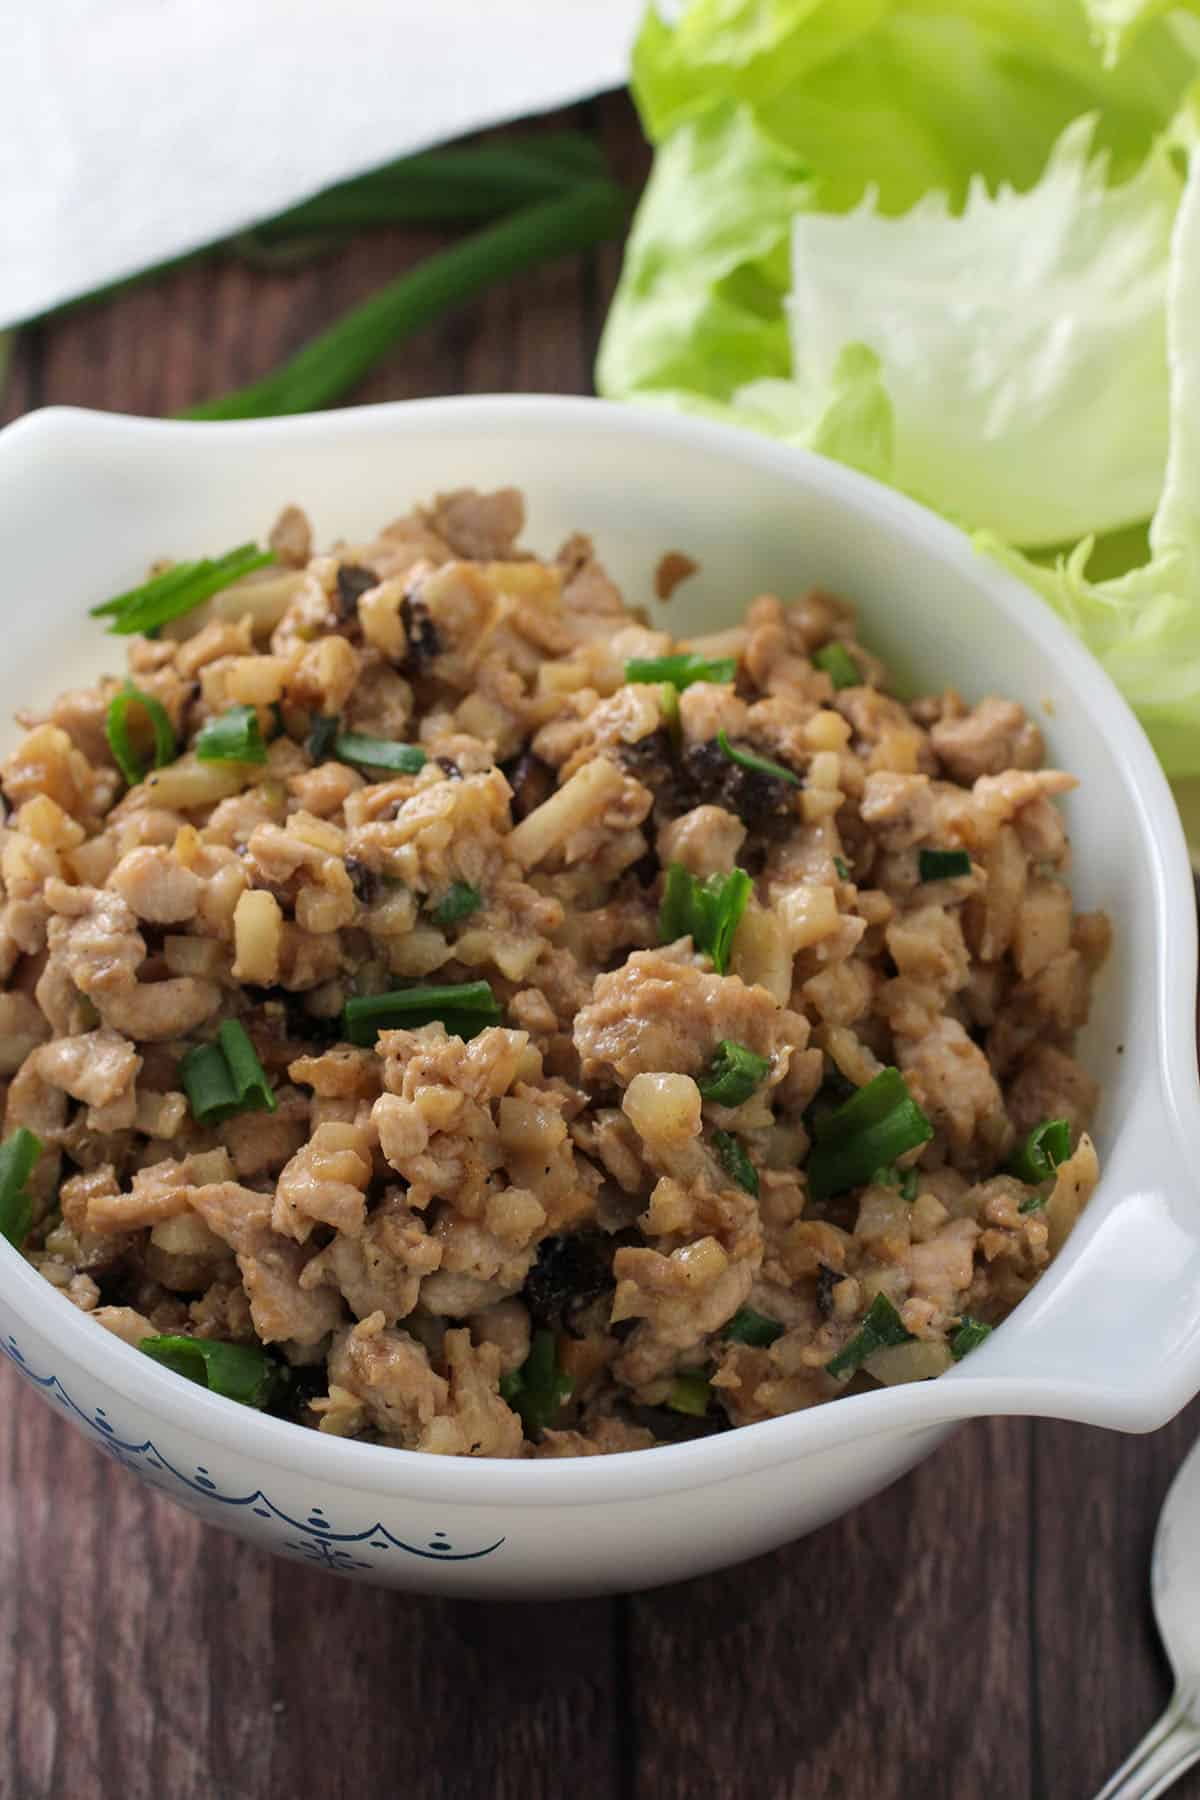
<point>312,1539</point>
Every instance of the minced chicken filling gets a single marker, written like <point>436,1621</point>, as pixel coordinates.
<point>616,1187</point>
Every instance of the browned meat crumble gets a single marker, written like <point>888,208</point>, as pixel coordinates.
<point>414,1215</point>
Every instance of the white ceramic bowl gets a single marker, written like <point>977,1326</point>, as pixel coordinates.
<point>1110,1336</point>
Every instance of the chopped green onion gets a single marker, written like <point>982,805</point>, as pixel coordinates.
<point>241,1372</point>
<point>322,735</point>
<point>750,759</point>
<point>459,902</point>
<point>1034,1202</point>
<point>179,590</point>
<point>334,361</point>
<point>379,753</point>
<point>250,1082</point>
<point>842,868</point>
<point>968,1337</point>
<point>18,1154</point>
<point>681,670</point>
<point>233,736</point>
<point>735,1162</point>
<point>708,911</point>
<point>733,1074</point>
<point>1047,1145</point>
<point>690,1393</point>
<point>904,1179</point>
<point>750,1327</point>
<point>942,865</point>
<point>868,1131</point>
<point>880,1329</point>
<point>838,664</point>
<point>116,730</point>
<point>226,1077</point>
<point>539,1387</point>
<point>208,1083</point>
<point>464,1008</point>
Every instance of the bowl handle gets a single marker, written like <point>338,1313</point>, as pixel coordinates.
<point>1111,1335</point>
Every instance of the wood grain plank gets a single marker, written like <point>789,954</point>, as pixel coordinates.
<point>981,1628</point>
<point>1102,1675</point>
<point>852,1664</point>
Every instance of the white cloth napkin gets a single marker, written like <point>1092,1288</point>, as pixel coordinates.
<point>135,130</point>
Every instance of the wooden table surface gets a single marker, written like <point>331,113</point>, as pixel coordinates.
<point>982,1628</point>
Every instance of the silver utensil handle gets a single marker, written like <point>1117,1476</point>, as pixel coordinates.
<point>1169,1748</point>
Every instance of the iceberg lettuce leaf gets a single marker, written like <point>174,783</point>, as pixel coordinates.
<point>1144,625</point>
<point>1022,342</point>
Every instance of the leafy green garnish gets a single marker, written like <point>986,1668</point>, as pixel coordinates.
<point>233,736</point>
<point>1047,1145</point>
<point>334,361</point>
<point>226,1077</point>
<point>735,1162</point>
<point>881,1328</point>
<point>867,1132</point>
<point>690,1393</point>
<point>750,1327</point>
<point>733,1074</point>
<point>842,868</point>
<point>817,164</point>
<point>707,911</point>
<point>942,865</point>
<point>379,753</point>
<point>464,1008</point>
<point>18,1155</point>
<point>458,902</point>
<point>179,590</point>
<point>241,1372</point>
<point>750,759</point>
<point>540,1386</point>
<point>838,664</point>
<point>681,670</point>
<point>968,1337</point>
<point>116,730</point>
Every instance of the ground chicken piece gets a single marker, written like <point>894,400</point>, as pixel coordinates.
<point>476,1422</point>
<point>658,1012</point>
<point>1052,1085</point>
<point>680,1298</point>
<point>156,886</point>
<point>940,1269</point>
<point>480,527</point>
<point>994,736</point>
<point>100,1068</point>
<point>390,1374</point>
<point>325,1183</point>
<point>589,726</point>
<point>447,832</point>
<point>291,538</point>
<point>262,1143</point>
<point>950,1078</point>
<point>95,937</point>
<point>706,841</point>
<point>125,1323</point>
<point>270,1265</point>
<point>223,1312</point>
<point>22,1028</point>
<point>380,1270</point>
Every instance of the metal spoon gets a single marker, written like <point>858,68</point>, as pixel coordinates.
<point>1172,1745</point>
